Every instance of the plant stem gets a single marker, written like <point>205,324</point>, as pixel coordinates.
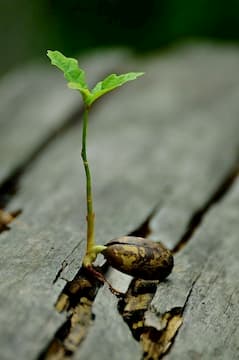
<point>91,248</point>
<point>89,196</point>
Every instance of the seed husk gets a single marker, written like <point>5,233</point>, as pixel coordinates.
<point>139,257</point>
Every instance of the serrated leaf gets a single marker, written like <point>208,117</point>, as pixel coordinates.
<point>72,72</point>
<point>111,82</point>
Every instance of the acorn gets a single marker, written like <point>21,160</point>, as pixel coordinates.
<point>139,257</point>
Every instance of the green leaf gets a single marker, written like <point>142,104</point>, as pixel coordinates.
<point>111,82</point>
<point>72,72</point>
<point>76,77</point>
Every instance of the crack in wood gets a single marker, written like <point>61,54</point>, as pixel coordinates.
<point>157,343</point>
<point>76,300</point>
<point>197,218</point>
<point>143,230</point>
<point>66,262</point>
<point>155,332</point>
<point>135,303</point>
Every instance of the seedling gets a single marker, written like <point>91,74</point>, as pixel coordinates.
<point>76,80</point>
<point>131,255</point>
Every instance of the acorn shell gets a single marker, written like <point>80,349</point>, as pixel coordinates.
<point>139,257</point>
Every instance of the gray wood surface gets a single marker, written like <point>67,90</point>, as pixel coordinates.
<point>205,278</point>
<point>166,140</point>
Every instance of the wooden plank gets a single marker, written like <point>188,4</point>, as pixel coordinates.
<point>150,153</point>
<point>204,280</point>
<point>35,103</point>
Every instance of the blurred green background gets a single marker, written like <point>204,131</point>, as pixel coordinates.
<point>28,28</point>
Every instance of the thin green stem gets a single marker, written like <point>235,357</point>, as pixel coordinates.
<point>89,196</point>
<point>92,250</point>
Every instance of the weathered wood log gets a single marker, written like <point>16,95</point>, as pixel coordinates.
<point>168,141</point>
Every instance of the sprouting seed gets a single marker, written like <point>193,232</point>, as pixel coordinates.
<point>135,256</point>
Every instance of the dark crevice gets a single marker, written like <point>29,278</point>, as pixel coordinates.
<point>190,292</point>
<point>155,332</point>
<point>62,268</point>
<point>157,343</point>
<point>76,300</point>
<point>135,303</point>
<point>143,229</point>
<point>176,320</point>
<point>134,307</point>
<point>197,218</point>
<point>66,262</point>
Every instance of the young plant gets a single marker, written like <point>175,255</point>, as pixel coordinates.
<point>132,255</point>
<point>76,80</point>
